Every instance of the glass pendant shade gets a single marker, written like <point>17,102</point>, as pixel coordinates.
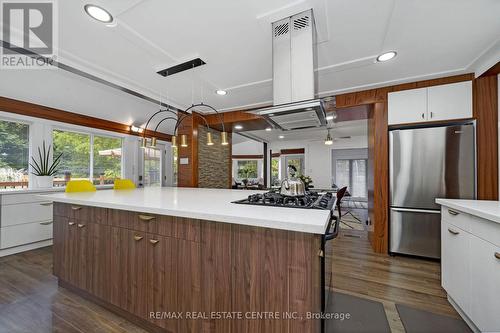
<point>184,140</point>
<point>174,141</point>
<point>210,142</point>
<point>144,143</point>
<point>224,140</point>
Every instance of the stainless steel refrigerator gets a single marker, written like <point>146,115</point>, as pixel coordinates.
<point>425,164</point>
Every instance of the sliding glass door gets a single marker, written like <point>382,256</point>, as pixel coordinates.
<point>352,173</point>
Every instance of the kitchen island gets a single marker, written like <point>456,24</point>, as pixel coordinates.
<point>189,260</point>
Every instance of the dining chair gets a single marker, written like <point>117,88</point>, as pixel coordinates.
<point>79,186</point>
<point>124,184</point>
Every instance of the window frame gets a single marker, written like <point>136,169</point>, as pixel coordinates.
<point>91,134</point>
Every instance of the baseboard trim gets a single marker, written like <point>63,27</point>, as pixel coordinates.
<point>463,315</point>
<point>26,247</point>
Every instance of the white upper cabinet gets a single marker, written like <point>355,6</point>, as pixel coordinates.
<point>445,102</point>
<point>450,101</point>
<point>407,106</point>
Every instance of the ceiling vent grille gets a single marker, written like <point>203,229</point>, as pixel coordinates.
<point>301,22</point>
<point>281,29</point>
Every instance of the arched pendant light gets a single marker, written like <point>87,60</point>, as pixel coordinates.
<point>328,140</point>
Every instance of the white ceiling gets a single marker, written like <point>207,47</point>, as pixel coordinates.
<point>338,130</point>
<point>432,38</point>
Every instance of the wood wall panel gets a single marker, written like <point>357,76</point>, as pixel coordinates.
<point>485,104</point>
<point>44,112</point>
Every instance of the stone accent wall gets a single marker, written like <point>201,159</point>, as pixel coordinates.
<point>214,162</point>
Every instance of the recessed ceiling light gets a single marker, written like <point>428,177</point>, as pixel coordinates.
<point>269,129</point>
<point>386,56</point>
<point>221,92</point>
<point>281,136</point>
<point>98,13</point>
<point>238,127</point>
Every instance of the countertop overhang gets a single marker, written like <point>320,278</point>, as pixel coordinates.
<point>489,210</point>
<point>204,204</point>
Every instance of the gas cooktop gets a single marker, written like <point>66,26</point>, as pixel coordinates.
<point>311,200</point>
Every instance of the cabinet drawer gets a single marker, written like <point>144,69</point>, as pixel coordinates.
<point>25,233</point>
<point>25,213</point>
<point>487,230</point>
<point>81,213</point>
<point>13,199</point>
<point>457,218</point>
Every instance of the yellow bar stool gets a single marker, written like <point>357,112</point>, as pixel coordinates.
<point>124,184</point>
<point>79,186</point>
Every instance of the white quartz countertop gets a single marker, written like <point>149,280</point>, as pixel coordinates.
<point>485,209</point>
<point>205,204</point>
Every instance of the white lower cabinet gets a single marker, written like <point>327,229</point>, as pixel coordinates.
<point>470,268</point>
<point>485,285</point>
<point>455,245</point>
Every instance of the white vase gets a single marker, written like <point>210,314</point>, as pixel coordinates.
<point>44,181</point>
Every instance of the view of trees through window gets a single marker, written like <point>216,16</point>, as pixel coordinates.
<point>275,171</point>
<point>107,159</point>
<point>14,154</point>
<point>75,161</point>
<point>247,169</point>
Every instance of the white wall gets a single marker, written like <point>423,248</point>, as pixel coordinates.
<point>498,78</point>
<point>318,156</point>
<point>249,147</point>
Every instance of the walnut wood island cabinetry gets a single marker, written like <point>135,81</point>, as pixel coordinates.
<point>178,274</point>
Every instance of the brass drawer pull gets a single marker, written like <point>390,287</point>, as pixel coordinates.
<point>81,225</point>
<point>138,238</point>
<point>76,208</point>
<point>71,223</point>
<point>154,241</point>
<point>46,223</point>
<point>46,204</point>
<point>452,212</point>
<point>451,231</point>
<point>146,218</point>
<point>497,255</point>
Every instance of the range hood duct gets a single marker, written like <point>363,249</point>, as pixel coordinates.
<point>294,78</point>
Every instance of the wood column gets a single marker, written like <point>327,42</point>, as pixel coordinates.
<point>485,103</point>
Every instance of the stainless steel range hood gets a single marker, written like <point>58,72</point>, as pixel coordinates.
<point>294,78</point>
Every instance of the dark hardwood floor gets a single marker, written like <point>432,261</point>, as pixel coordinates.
<point>30,300</point>
<point>358,271</point>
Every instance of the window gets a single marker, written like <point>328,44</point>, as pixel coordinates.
<point>107,160</point>
<point>275,171</point>
<point>352,173</point>
<point>14,154</point>
<point>297,161</point>
<point>152,167</point>
<point>175,166</point>
<point>247,169</point>
<point>75,160</point>
<point>79,149</point>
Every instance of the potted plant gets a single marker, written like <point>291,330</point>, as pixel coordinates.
<point>44,169</point>
<point>306,180</point>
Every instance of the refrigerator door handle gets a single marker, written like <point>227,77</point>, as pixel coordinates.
<point>416,210</point>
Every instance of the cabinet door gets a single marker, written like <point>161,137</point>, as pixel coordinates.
<point>79,261</point>
<point>455,254</point>
<point>450,101</point>
<point>485,285</point>
<point>162,278</point>
<point>62,247</point>
<point>99,260</point>
<point>407,106</point>
<point>135,283</point>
